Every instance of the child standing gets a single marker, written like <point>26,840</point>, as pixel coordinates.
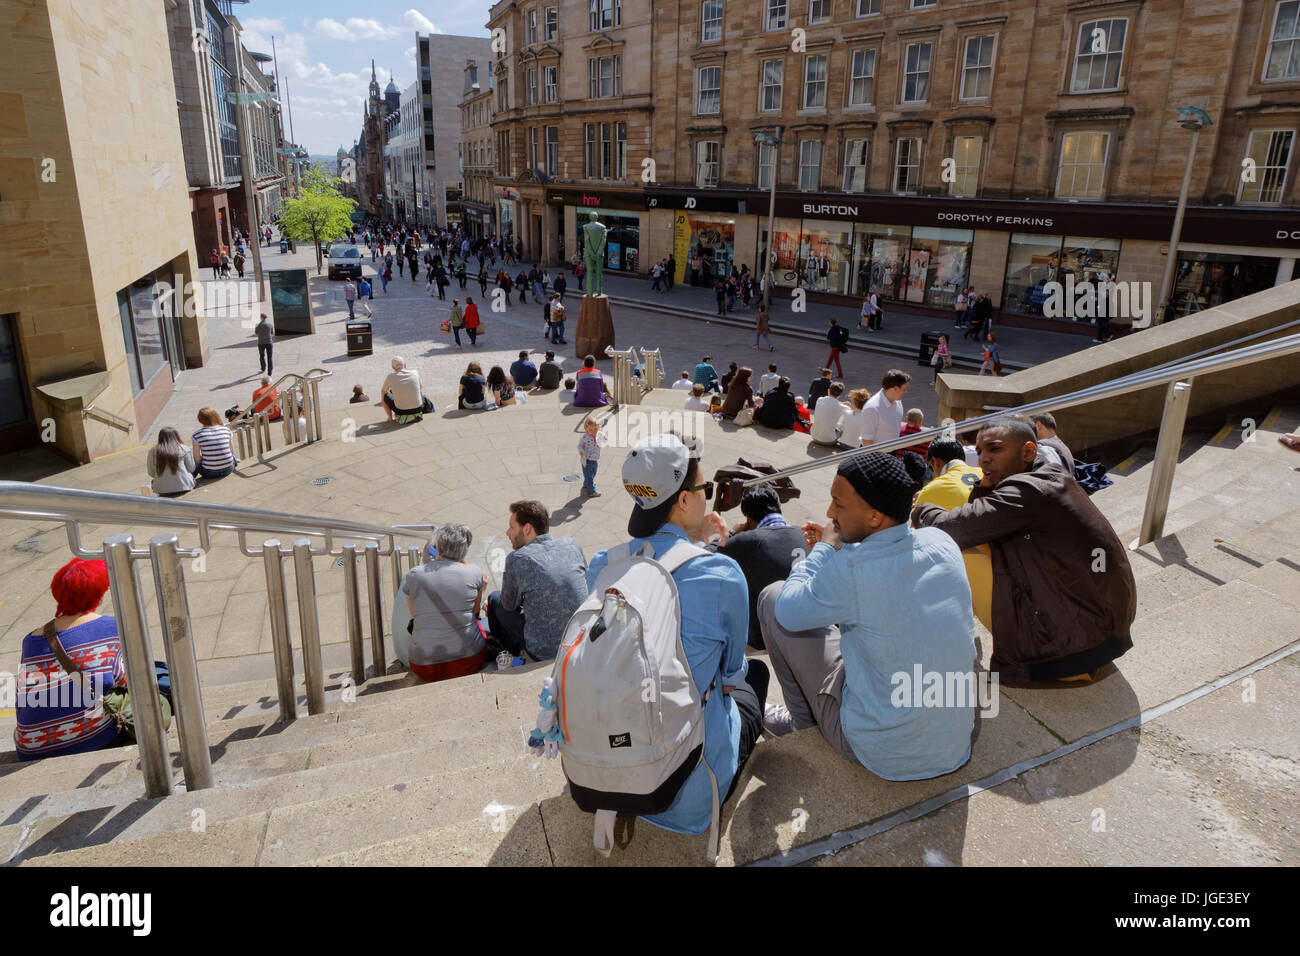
<point>942,358</point>
<point>589,453</point>
<point>991,361</point>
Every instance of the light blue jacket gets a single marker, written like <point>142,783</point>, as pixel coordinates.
<point>715,623</point>
<point>901,600</point>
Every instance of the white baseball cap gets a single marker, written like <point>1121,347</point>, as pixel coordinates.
<point>653,474</point>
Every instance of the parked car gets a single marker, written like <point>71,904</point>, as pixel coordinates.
<point>344,261</point>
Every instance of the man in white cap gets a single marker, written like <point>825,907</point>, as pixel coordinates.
<point>663,477</point>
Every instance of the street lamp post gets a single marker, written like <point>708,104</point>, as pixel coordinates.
<point>1194,119</point>
<point>773,140</point>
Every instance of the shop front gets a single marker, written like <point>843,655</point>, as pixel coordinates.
<point>1034,261</point>
<point>1206,279</point>
<point>618,213</point>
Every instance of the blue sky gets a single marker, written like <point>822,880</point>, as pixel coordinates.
<point>325,48</point>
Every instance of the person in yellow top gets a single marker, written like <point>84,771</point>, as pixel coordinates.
<point>951,488</point>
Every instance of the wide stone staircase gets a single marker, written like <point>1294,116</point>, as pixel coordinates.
<point>400,773</point>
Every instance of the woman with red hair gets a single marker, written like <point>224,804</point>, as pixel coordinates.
<point>59,711</point>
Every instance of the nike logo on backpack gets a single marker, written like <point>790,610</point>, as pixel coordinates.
<point>620,740</point>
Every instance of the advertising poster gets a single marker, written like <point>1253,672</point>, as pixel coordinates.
<point>681,245</point>
<point>291,302</point>
<point>613,255</point>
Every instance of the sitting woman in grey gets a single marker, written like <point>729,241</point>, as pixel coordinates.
<point>445,597</point>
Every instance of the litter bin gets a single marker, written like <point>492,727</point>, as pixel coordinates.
<point>284,246</point>
<point>359,340</point>
<point>929,342</point>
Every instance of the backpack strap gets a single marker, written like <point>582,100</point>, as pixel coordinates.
<point>51,635</point>
<point>679,554</point>
<point>603,833</point>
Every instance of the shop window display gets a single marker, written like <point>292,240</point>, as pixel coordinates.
<point>712,248</point>
<point>1034,261</point>
<point>622,240</point>
<point>825,255</point>
<point>880,260</point>
<point>1205,279</point>
<point>938,265</point>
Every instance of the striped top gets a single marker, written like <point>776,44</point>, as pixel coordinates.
<point>214,444</point>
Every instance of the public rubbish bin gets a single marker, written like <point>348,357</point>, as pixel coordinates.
<point>284,245</point>
<point>359,340</point>
<point>929,342</point>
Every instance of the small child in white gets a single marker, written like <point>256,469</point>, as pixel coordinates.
<point>589,453</point>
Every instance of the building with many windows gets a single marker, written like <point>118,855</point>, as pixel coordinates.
<point>405,178</point>
<point>925,145</point>
<point>478,203</point>
<point>441,59</point>
<point>573,106</point>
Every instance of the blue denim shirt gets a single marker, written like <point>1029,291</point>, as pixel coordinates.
<point>715,623</point>
<point>901,601</point>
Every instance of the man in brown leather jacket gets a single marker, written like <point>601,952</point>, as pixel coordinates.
<point>1063,591</point>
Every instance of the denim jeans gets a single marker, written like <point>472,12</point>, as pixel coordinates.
<point>351,308</point>
<point>557,333</point>
<point>589,475</point>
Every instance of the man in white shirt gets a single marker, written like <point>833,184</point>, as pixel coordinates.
<point>350,296</point>
<point>882,418</point>
<point>683,383</point>
<point>401,391</point>
<point>827,415</point>
<point>768,381</point>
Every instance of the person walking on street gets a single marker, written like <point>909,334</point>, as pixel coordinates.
<point>440,277</point>
<point>560,284</point>
<point>350,295</point>
<point>214,260</point>
<point>720,292</point>
<point>558,315</point>
<point>399,265</point>
<point>461,274</point>
<point>670,270</point>
<point>762,328</point>
<point>265,333</point>
<point>456,321</point>
<point>239,263</point>
<point>838,337</point>
<point>471,321</point>
<point>991,360</point>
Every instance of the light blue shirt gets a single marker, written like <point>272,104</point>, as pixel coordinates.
<point>901,599</point>
<point>715,624</point>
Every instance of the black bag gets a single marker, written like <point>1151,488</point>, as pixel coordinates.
<point>426,405</point>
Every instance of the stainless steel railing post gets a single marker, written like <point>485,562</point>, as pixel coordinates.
<point>413,555</point>
<point>315,406</point>
<point>352,613</point>
<point>375,600</point>
<point>309,420</point>
<point>397,568</point>
<point>291,415</point>
<point>133,626</point>
<point>309,618</point>
<point>182,662</point>
<point>265,419</point>
<point>278,605</point>
<point>1168,444</point>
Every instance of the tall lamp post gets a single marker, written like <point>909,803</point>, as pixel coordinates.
<point>1194,119</point>
<point>773,140</point>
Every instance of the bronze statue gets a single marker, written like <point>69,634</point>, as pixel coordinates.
<point>593,254</point>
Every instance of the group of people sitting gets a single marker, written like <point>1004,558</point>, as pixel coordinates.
<point>175,468</point>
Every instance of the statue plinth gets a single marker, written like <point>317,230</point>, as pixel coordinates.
<point>595,327</point>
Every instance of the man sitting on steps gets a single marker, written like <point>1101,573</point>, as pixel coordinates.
<point>1063,592</point>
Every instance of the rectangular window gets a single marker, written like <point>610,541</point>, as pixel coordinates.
<point>855,166</point>
<point>814,82</point>
<point>1083,165</point>
<point>620,150</point>
<point>977,69</point>
<point>589,151</point>
<point>862,72</point>
<point>605,14</point>
<point>766,165</point>
<point>922,3</point>
<point>532,151</point>
<point>1269,150</point>
<point>552,22</point>
<point>711,21</point>
<point>532,27</point>
<point>819,11</point>
<point>708,90</point>
<point>606,151</point>
<point>966,159</point>
<point>552,150</point>
<point>770,85</point>
<point>550,85</point>
<point>778,12</point>
<point>868,8</point>
<point>907,166</point>
<point>1284,44</point>
<point>532,87</point>
<point>810,164</point>
<point>707,159</point>
<point>1099,55</point>
<point>605,77</point>
<point>916,73</point>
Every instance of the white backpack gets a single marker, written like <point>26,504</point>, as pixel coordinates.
<point>630,716</point>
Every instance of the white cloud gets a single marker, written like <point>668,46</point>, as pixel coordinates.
<point>356,28</point>
<point>418,21</point>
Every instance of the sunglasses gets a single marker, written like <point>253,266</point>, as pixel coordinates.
<point>707,488</point>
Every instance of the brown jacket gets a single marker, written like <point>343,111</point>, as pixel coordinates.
<point>1063,592</point>
<point>761,323</point>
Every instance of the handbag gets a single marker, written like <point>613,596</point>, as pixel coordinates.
<point>744,418</point>
<point>116,700</point>
<point>445,327</point>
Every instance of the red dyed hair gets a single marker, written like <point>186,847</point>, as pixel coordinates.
<point>79,586</point>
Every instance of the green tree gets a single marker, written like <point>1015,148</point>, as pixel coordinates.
<point>319,214</point>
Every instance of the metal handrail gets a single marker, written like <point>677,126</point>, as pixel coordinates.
<point>20,499</point>
<point>1121,386</point>
<point>108,418</point>
<point>1187,358</point>
<point>311,375</point>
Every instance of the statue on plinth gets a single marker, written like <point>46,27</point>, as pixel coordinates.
<point>593,254</point>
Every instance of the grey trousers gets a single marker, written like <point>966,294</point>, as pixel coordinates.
<point>810,669</point>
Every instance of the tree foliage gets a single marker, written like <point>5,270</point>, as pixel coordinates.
<point>319,214</point>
